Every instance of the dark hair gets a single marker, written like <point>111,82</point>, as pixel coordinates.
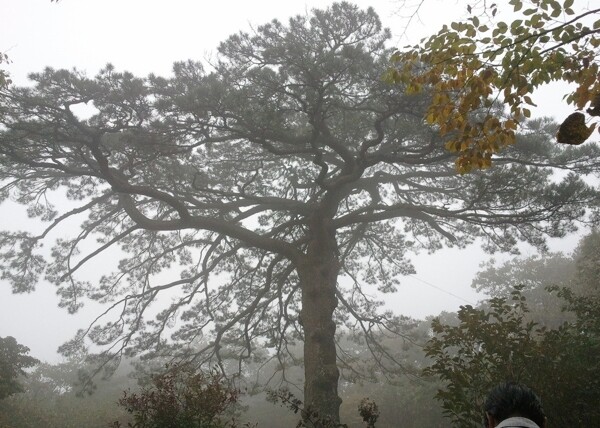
<point>511,399</point>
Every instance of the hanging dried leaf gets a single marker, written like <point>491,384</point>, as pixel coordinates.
<point>574,130</point>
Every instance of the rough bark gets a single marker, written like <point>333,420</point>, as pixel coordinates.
<point>318,274</point>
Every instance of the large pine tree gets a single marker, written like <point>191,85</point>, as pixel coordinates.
<point>280,190</point>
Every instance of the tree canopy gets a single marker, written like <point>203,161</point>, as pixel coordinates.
<point>13,359</point>
<point>493,56</point>
<point>270,198</point>
<point>498,344</point>
<point>4,76</point>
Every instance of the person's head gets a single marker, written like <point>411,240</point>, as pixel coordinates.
<point>511,399</point>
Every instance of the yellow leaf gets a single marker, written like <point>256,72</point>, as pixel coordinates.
<point>510,124</point>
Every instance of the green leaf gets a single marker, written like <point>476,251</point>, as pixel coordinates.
<point>498,40</point>
<point>536,21</point>
<point>556,13</point>
<point>516,26</point>
<point>517,6</point>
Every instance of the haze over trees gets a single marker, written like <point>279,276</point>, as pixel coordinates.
<point>14,359</point>
<point>273,198</point>
<point>50,399</point>
<point>470,351</point>
<point>509,338</point>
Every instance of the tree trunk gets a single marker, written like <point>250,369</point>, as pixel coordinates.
<point>318,279</point>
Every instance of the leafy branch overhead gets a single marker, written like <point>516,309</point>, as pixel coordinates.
<point>469,66</point>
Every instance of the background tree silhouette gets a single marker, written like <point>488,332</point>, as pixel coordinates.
<point>13,359</point>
